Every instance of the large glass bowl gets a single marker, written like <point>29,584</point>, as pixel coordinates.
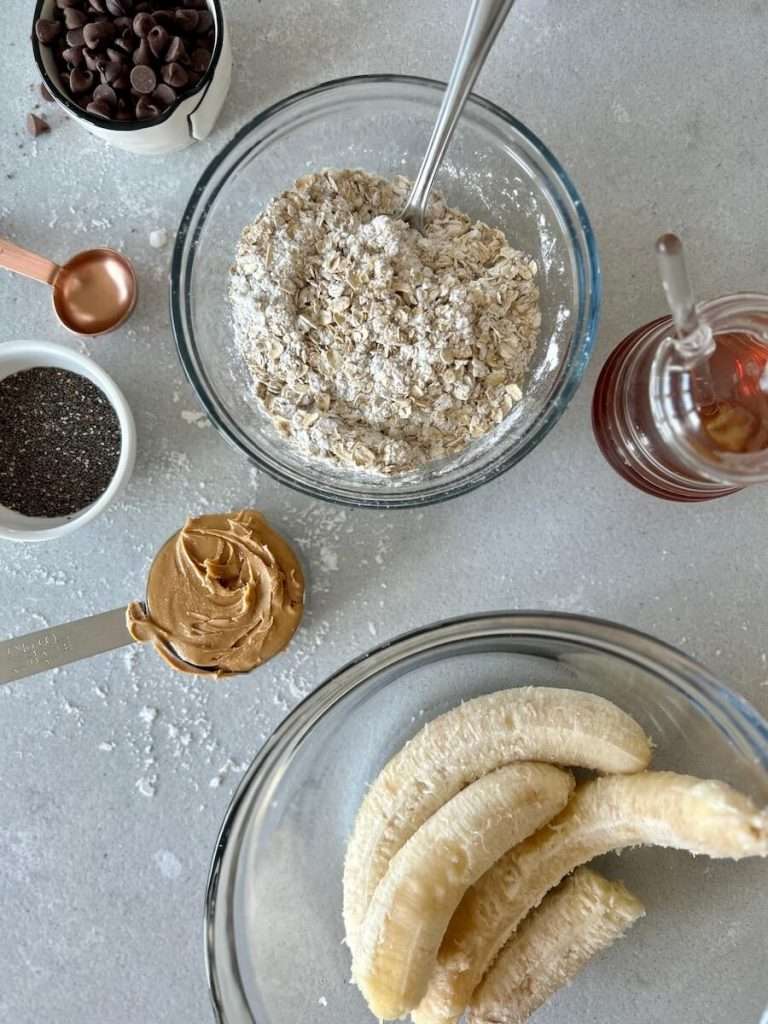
<point>273,914</point>
<point>496,170</point>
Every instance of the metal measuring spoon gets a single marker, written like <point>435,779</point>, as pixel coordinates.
<point>93,292</point>
<point>483,23</point>
<point>56,646</point>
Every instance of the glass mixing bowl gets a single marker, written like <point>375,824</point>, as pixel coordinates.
<point>273,914</point>
<point>496,170</point>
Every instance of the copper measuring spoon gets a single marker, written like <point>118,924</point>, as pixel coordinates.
<point>93,292</point>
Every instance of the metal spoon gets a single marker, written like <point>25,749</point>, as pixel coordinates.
<point>485,19</point>
<point>93,293</point>
<point>56,646</point>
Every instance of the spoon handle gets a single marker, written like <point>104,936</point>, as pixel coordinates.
<point>485,19</point>
<point>29,264</point>
<point>59,645</point>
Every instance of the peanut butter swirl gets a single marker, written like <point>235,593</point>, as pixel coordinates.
<point>224,595</point>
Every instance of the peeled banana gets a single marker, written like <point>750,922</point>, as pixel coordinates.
<point>426,879</point>
<point>566,727</point>
<point>650,808</point>
<point>584,916</point>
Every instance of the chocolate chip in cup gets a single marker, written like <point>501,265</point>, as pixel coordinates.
<point>149,53</point>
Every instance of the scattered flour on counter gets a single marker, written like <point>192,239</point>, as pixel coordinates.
<point>158,238</point>
<point>147,784</point>
<point>168,863</point>
<point>196,417</point>
<point>148,715</point>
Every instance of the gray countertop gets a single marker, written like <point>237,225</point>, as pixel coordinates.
<point>115,773</point>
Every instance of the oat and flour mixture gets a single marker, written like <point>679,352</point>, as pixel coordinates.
<point>369,344</point>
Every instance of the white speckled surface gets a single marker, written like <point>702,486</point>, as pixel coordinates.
<point>114,773</point>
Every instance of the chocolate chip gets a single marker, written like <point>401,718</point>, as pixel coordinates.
<point>204,21</point>
<point>46,31</point>
<point>73,55</point>
<point>47,98</point>
<point>111,71</point>
<point>75,37</point>
<point>143,79</point>
<point>166,18</point>
<point>126,42</point>
<point>143,24</point>
<point>92,61</point>
<point>37,125</point>
<point>98,32</point>
<point>176,51</point>
<point>146,109</point>
<point>175,75</point>
<point>200,60</point>
<point>74,18</point>
<point>187,21</point>
<point>142,54</point>
<point>158,40</point>
<point>131,59</point>
<point>105,94</point>
<point>80,81</point>
<point>100,108</point>
<point>164,94</point>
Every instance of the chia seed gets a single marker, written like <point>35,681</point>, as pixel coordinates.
<point>60,442</point>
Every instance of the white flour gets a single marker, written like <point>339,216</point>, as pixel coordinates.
<point>369,344</point>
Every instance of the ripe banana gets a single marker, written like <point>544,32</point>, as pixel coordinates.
<point>584,916</point>
<point>427,878</point>
<point>650,808</point>
<point>567,727</point>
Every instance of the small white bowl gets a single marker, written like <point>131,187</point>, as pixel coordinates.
<point>23,355</point>
<point>189,120</point>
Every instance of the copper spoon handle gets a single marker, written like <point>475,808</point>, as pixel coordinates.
<point>59,645</point>
<point>29,264</point>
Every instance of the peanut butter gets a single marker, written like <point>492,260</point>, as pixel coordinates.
<point>224,595</point>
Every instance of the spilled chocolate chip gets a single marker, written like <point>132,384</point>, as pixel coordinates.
<point>37,125</point>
